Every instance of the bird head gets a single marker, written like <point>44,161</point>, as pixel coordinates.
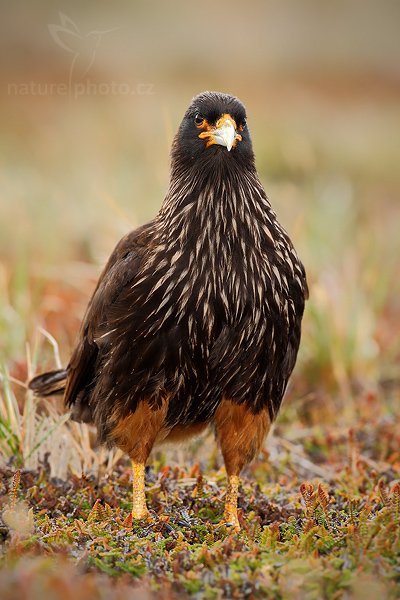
<point>214,128</point>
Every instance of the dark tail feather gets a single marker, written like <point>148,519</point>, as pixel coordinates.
<point>49,383</point>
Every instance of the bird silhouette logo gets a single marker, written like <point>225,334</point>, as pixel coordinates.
<point>83,46</point>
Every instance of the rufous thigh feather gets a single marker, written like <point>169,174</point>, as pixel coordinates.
<point>136,433</point>
<point>240,434</point>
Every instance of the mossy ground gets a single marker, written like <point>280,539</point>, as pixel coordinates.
<point>332,536</point>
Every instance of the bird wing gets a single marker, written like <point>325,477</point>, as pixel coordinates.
<point>117,275</point>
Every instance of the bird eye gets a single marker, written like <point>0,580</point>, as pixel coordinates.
<point>199,121</point>
<point>243,125</point>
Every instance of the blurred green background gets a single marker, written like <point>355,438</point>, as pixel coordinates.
<point>91,96</point>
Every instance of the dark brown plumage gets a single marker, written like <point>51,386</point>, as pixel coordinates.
<point>196,317</point>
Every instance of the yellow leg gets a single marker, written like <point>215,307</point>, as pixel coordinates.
<point>240,433</point>
<point>139,507</point>
<point>230,513</point>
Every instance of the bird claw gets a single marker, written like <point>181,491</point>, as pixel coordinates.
<point>144,518</point>
<point>230,520</point>
<point>231,525</point>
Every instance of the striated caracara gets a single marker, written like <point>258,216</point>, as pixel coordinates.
<point>195,321</point>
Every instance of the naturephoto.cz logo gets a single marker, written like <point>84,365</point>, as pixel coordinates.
<point>83,49</point>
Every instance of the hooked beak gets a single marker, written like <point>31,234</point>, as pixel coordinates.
<point>224,133</point>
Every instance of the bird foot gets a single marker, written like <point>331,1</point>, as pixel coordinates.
<point>144,517</point>
<point>230,518</point>
<point>141,515</point>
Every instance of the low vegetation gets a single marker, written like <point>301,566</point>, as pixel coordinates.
<point>320,515</point>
